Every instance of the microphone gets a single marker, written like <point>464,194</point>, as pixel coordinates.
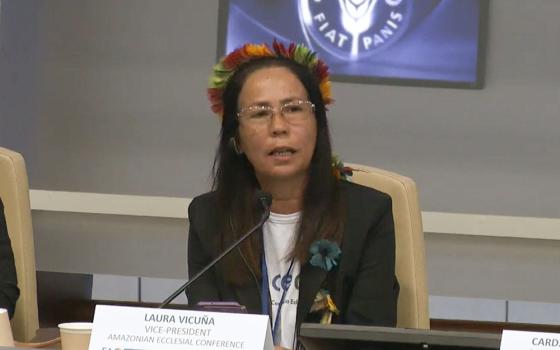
<point>265,199</point>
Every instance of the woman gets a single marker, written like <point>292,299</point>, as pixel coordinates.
<point>9,291</point>
<point>327,252</point>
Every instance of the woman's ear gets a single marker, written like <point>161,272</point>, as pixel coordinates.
<point>235,145</point>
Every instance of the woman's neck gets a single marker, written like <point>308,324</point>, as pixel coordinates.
<point>287,196</point>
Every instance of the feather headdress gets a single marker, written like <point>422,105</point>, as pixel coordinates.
<point>228,65</point>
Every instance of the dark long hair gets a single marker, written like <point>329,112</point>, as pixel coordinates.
<point>235,181</point>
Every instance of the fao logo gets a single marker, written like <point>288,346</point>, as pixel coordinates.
<point>354,29</point>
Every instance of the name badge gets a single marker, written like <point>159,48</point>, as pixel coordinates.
<point>518,340</point>
<point>118,327</point>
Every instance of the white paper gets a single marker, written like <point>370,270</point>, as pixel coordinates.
<point>518,340</point>
<point>132,328</point>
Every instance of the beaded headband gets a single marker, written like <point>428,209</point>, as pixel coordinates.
<point>228,65</point>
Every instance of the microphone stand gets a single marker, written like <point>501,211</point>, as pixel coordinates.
<point>261,222</point>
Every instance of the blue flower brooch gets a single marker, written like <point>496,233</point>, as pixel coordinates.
<point>325,255</point>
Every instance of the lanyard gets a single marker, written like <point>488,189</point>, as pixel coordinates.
<point>265,297</point>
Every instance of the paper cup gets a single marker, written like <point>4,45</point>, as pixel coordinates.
<point>75,335</point>
<point>6,337</point>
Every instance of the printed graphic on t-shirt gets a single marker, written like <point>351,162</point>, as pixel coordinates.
<point>281,284</point>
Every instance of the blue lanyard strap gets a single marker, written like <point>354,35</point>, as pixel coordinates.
<point>265,293</point>
<point>265,297</point>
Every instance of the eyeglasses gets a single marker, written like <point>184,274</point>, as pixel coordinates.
<point>294,112</point>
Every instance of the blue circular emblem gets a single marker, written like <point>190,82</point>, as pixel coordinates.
<point>354,29</point>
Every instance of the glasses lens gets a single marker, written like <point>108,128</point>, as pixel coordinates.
<point>256,114</point>
<point>294,112</point>
<point>297,111</point>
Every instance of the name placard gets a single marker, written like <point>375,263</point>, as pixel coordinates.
<point>518,340</point>
<point>135,328</point>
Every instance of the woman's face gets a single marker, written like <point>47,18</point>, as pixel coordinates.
<point>279,148</point>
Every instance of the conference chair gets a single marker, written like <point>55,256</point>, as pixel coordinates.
<point>14,191</point>
<point>412,307</point>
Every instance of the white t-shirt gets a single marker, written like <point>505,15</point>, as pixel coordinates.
<point>279,236</point>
